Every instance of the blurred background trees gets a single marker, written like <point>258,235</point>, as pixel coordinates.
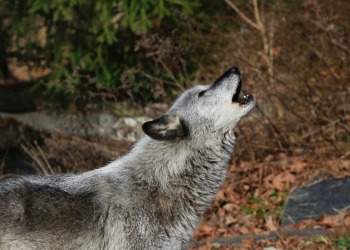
<point>294,56</point>
<point>92,45</point>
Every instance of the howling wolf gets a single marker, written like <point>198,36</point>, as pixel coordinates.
<point>151,198</point>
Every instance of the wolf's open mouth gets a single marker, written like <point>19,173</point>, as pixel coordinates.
<point>245,99</point>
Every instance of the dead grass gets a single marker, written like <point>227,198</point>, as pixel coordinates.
<point>69,154</point>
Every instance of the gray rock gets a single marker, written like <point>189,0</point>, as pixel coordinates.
<point>310,202</point>
<point>96,124</point>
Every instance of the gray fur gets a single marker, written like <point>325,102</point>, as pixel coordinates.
<point>151,198</point>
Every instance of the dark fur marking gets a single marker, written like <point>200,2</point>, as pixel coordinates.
<point>200,94</point>
<point>159,129</point>
<point>218,81</point>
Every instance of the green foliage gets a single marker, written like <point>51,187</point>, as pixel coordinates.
<point>275,208</point>
<point>343,243</point>
<point>247,209</point>
<point>82,39</point>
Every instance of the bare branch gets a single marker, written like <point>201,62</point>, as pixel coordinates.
<point>44,157</point>
<point>35,158</point>
<point>2,165</point>
<point>233,6</point>
<point>257,15</point>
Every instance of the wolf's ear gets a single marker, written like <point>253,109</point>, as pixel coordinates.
<point>166,127</point>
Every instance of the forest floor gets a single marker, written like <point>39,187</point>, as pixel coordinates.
<point>251,202</point>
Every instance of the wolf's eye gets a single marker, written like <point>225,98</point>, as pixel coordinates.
<point>200,94</point>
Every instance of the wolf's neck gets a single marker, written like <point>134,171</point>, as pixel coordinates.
<point>182,170</point>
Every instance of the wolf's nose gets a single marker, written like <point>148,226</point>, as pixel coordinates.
<point>235,70</point>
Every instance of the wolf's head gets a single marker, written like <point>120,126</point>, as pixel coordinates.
<point>204,112</point>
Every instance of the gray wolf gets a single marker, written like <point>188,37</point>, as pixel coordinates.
<point>151,198</point>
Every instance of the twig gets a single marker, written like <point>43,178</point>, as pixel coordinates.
<point>33,165</point>
<point>318,129</point>
<point>35,158</point>
<point>344,155</point>
<point>291,219</point>
<point>43,156</point>
<point>271,52</point>
<point>259,25</point>
<point>275,130</point>
<point>345,208</point>
<point>250,22</point>
<point>3,163</point>
<point>171,75</point>
<point>256,13</point>
<point>250,147</point>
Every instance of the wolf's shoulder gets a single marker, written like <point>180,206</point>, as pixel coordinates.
<point>40,201</point>
<point>30,182</point>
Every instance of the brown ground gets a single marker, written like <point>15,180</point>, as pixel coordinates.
<point>251,202</point>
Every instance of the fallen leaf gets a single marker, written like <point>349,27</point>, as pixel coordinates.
<point>243,230</point>
<point>277,182</point>
<point>347,221</point>
<point>268,157</point>
<point>203,231</point>
<point>222,231</point>
<point>222,212</point>
<point>248,243</point>
<point>229,207</point>
<point>270,225</point>
<point>221,195</point>
<point>229,220</point>
<point>282,179</point>
<point>205,228</point>
<point>209,244</point>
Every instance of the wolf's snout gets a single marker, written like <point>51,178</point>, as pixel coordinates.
<point>235,70</point>
<point>227,75</point>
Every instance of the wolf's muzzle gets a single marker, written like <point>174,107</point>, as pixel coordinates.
<point>235,70</point>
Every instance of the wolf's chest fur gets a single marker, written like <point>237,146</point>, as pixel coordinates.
<point>151,198</point>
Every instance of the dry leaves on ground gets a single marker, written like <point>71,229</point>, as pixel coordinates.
<point>253,196</point>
